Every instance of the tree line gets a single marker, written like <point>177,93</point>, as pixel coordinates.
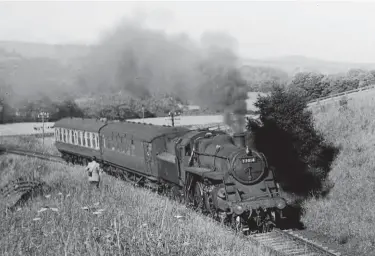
<point>312,85</point>
<point>108,107</point>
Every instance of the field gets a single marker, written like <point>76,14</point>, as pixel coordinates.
<point>31,143</point>
<point>348,213</point>
<point>24,128</point>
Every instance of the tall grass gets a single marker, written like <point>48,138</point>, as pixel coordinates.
<point>133,221</point>
<point>348,213</point>
<point>31,143</point>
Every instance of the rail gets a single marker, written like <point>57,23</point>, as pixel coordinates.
<point>289,242</point>
<point>37,135</point>
<point>23,152</point>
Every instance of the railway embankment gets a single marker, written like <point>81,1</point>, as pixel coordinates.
<point>347,213</point>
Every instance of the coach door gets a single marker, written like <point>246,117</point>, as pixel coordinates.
<point>147,148</point>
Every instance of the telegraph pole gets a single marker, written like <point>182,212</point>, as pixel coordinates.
<point>173,114</point>
<point>43,115</point>
<point>143,114</point>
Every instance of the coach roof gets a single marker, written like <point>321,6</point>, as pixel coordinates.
<point>83,124</point>
<point>144,132</point>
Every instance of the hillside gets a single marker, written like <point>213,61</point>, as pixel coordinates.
<point>293,64</point>
<point>347,213</point>
<point>290,64</point>
<point>41,50</point>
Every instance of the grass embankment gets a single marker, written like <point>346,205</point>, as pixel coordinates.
<point>32,143</point>
<point>348,213</point>
<point>133,221</point>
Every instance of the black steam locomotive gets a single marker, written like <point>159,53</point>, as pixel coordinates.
<point>214,172</point>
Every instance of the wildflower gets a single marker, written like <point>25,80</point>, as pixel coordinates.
<point>179,217</point>
<point>60,194</point>
<point>43,209</point>
<point>96,204</point>
<point>36,219</point>
<point>84,208</point>
<point>47,196</point>
<point>97,213</point>
<point>54,209</point>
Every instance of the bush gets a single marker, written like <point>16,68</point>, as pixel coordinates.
<point>299,154</point>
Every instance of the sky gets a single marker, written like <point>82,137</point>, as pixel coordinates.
<point>337,31</point>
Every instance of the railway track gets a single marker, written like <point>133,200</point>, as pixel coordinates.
<point>290,242</point>
<point>40,155</point>
<point>280,242</point>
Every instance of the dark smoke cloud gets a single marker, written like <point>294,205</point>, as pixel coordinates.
<point>144,63</point>
<point>223,88</point>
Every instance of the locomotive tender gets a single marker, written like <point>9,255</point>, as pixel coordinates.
<point>217,173</point>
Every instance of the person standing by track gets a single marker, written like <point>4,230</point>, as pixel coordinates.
<point>94,171</point>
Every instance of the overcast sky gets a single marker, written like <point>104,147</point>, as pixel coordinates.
<point>332,31</point>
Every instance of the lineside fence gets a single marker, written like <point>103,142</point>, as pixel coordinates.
<point>330,97</point>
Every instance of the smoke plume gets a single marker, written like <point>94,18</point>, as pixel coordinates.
<point>144,63</point>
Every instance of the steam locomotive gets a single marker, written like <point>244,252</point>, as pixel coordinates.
<point>213,172</point>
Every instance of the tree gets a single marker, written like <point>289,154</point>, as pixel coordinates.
<point>67,108</point>
<point>309,84</point>
<point>292,146</point>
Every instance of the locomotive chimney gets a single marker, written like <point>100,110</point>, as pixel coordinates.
<point>239,139</point>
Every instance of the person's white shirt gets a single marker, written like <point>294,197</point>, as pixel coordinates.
<point>95,170</point>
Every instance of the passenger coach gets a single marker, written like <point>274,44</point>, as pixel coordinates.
<point>136,147</point>
<point>78,139</point>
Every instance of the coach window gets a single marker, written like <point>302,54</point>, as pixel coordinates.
<point>87,138</point>
<point>72,135</point>
<point>57,134</point>
<point>64,135</point>
<point>107,142</point>
<point>93,141</point>
<point>76,137</point>
<point>132,150</point>
<point>149,149</point>
<point>97,140</point>
<point>79,138</point>
<point>84,139</point>
<point>118,143</point>
<point>113,142</point>
<point>110,142</point>
<point>123,144</point>
<point>104,142</point>
<point>60,134</point>
<point>69,137</point>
